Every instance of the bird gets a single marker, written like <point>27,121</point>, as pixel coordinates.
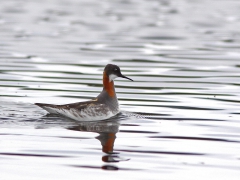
<point>104,106</point>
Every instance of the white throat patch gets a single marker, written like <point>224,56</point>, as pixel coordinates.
<point>112,77</point>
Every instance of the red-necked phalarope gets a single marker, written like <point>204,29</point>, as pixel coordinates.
<point>104,106</point>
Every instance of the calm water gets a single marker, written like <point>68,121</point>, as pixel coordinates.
<point>180,117</point>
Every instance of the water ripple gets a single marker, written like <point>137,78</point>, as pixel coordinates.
<point>179,118</point>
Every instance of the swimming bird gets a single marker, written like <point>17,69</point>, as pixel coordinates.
<point>104,106</point>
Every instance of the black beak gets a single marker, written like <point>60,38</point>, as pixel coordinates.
<point>122,76</point>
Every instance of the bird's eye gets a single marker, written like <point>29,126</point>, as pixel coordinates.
<point>115,69</point>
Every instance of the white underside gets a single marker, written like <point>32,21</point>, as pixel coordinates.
<point>88,114</point>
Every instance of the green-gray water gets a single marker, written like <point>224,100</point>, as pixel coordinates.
<point>180,117</point>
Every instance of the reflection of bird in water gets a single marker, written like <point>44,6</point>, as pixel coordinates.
<point>107,140</point>
<point>107,135</point>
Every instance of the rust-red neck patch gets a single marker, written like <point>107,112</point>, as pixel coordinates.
<point>108,86</point>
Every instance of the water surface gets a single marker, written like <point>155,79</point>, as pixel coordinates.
<point>179,118</point>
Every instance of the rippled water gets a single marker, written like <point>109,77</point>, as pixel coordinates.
<point>180,117</point>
